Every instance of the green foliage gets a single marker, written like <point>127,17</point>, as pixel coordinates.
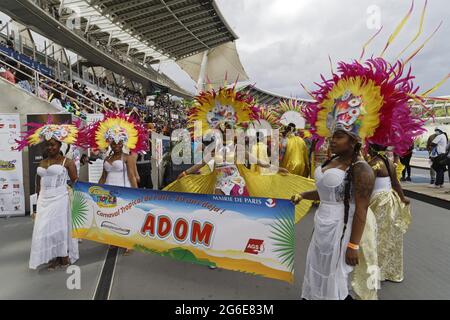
<point>79,210</point>
<point>283,235</point>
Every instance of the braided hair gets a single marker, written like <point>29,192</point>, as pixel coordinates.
<point>347,190</point>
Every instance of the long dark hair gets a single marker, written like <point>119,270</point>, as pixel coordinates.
<point>347,188</point>
<point>347,191</point>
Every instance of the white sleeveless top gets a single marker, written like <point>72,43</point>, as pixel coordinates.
<point>117,174</point>
<point>331,185</point>
<point>382,184</point>
<point>53,179</point>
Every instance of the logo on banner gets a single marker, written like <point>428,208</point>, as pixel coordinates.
<point>115,228</point>
<point>102,197</point>
<point>254,246</point>
<point>271,203</point>
<point>7,165</point>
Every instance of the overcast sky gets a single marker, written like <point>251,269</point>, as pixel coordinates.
<point>284,42</point>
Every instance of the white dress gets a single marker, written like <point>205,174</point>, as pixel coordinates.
<point>52,232</point>
<point>117,174</point>
<point>326,274</point>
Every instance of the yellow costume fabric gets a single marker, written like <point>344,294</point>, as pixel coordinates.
<point>399,167</point>
<point>259,185</point>
<point>295,159</point>
<point>393,219</point>
<point>259,151</point>
<point>365,274</point>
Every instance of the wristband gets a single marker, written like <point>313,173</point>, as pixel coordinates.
<point>353,246</point>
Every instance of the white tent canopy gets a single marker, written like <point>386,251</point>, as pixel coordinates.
<point>222,61</point>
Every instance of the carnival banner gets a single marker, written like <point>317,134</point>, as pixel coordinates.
<point>12,196</point>
<point>252,235</point>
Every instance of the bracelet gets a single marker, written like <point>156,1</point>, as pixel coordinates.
<point>353,246</point>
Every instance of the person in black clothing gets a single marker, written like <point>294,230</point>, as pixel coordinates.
<point>406,160</point>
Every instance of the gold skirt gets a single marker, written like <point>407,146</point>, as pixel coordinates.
<point>365,277</point>
<point>393,219</point>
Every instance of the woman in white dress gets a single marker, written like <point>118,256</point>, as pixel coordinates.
<point>52,233</point>
<point>118,168</point>
<point>52,240</point>
<point>344,185</point>
<point>126,137</point>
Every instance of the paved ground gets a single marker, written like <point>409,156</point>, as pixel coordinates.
<point>421,184</point>
<point>19,282</point>
<point>139,276</point>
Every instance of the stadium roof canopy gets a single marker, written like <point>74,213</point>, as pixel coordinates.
<point>160,29</point>
<point>268,98</point>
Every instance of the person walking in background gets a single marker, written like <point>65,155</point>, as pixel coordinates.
<point>439,155</point>
<point>430,149</point>
<point>406,160</point>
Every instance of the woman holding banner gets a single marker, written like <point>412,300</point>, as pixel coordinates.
<point>52,241</point>
<point>362,104</point>
<point>126,137</point>
<point>223,168</point>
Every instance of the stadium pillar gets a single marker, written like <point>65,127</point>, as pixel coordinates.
<point>203,70</point>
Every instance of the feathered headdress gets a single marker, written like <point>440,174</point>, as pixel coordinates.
<point>226,106</point>
<point>370,100</point>
<point>291,111</point>
<point>266,119</point>
<point>41,132</point>
<point>118,127</point>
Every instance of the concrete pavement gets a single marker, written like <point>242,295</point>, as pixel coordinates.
<point>140,276</point>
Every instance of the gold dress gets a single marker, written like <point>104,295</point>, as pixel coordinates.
<point>295,155</point>
<point>393,218</point>
<point>365,278</point>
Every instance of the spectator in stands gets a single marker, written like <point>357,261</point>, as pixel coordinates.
<point>23,76</point>
<point>42,93</point>
<point>7,74</point>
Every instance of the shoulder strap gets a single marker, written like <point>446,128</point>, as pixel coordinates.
<point>64,161</point>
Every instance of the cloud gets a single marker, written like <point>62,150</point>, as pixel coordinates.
<point>284,42</point>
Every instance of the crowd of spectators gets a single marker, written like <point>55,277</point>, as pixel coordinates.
<point>79,98</point>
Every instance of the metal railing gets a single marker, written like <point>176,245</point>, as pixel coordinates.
<point>35,81</point>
